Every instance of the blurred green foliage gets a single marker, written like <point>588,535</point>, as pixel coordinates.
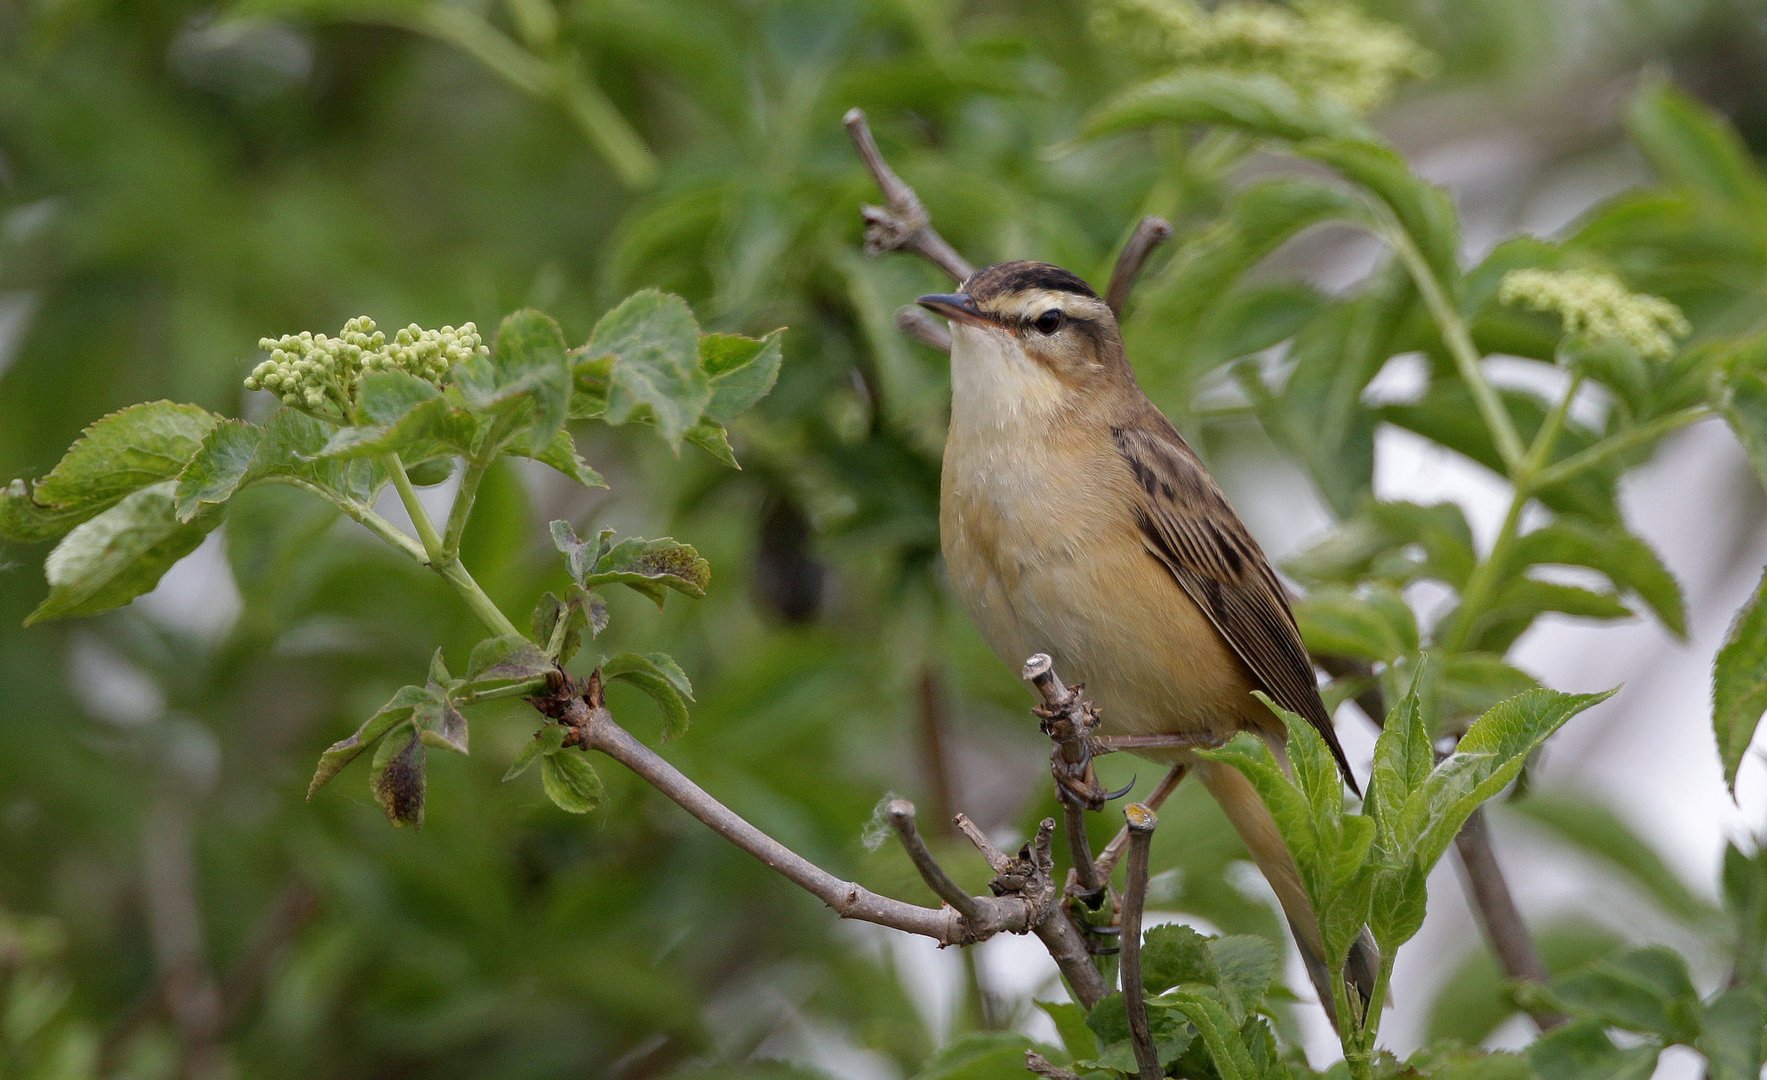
<point>181,179</point>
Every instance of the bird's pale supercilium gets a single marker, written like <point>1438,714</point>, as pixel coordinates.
<point>1076,521</point>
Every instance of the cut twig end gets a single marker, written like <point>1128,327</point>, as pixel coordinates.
<point>1140,817</point>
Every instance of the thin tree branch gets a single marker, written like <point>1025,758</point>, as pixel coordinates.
<point>1069,720</point>
<point>1141,823</point>
<point>1107,859</point>
<point>1040,1066</point>
<point>1150,233</point>
<point>922,327</point>
<point>902,223</point>
<point>1498,915</point>
<point>901,815</point>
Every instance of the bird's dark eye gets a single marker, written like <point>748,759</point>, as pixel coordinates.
<point>1049,322</point>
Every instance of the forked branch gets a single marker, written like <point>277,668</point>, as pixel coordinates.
<point>901,223</point>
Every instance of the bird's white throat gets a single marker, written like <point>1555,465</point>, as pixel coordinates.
<point>995,385</point>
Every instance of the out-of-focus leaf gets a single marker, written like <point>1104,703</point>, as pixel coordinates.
<point>1257,103</point>
<point>1739,683</point>
<point>1423,210</point>
<point>1644,990</point>
<point>1475,997</point>
<point>1733,1031</point>
<point>1694,148</point>
<point>1472,683</point>
<point>1745,901</point>
<point>980,1055</point>
<point>1591,827</point>
<point>1374,623</point>
<point>654,341</point>
<point>1583,1051</point>
<point>570,781</point>
<point>1743,402</point>
<point>1628,562</point>
<point>1521,599</point>
<point>112,558</point>
<point>1455,1063</point>
<point>1070,1021</point>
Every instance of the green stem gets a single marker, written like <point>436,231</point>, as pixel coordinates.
<point>454,573</point>
<point>1626,440</point>
<point>1525,477</point>
<point>519,689</point>
<point>433,548</point>
<point>1458,340</point>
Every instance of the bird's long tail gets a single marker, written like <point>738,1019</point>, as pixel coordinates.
<point>1239,800</point>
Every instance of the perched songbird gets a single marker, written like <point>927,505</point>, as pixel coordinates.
<point>1077,522</point>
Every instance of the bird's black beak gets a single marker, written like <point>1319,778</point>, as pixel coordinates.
<point>957,307</point>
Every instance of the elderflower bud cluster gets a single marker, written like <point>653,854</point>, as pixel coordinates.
<point>1325,48</point>
<point>1598,306</point>
<point>320,374</point>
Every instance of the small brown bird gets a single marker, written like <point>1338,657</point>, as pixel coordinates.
<point>1076,521</point>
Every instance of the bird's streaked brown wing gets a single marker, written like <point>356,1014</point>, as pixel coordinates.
<point>1188,525</point>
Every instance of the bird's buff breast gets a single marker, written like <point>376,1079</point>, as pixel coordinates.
<point>1043,551</point>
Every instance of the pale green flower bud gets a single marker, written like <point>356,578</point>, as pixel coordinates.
<point>1598,306</point>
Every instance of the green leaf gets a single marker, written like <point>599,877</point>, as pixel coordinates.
<point>124,452</point>
<point>1456,1063</point>
<point>1739,683</point>
<point>398,780</point>
<point>979,1055</point>
<point>399,413</point>
<point>654,341</point>
<point>222,464</point>
<point>1109,1021</point>
<point>1743,401</point>
<point>1070,1022</point>
<point>112,558</point>
<point>1645,990</point>
<point>648,567</point>
<point>1219,1031</point>
<point>561,454</point>
<point>548,740</point>
<point>1404,755</point>
<point>741,370</point>
<point>23,520</point>
<point>1488,757</point>
<point>502,661</point>
<point>527,377</point>
<point>1472,683</point>
<point>1476,996</point>
<point>1521,600</point>
<point>1423,210</point>
<point>1174,954</point>
<point>1594,829</point>
<point>1257,103</point>
<point>1745,901</point>
<point>1731,1034</point>
<point>658,675</point>
<point>570,781</point>
<point>1693,147</point>
<point>395,712</point>
<point>1583,1051</point>
<point>1248,966</point>
<point>1374,623</point>
<point>1628,562</point>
